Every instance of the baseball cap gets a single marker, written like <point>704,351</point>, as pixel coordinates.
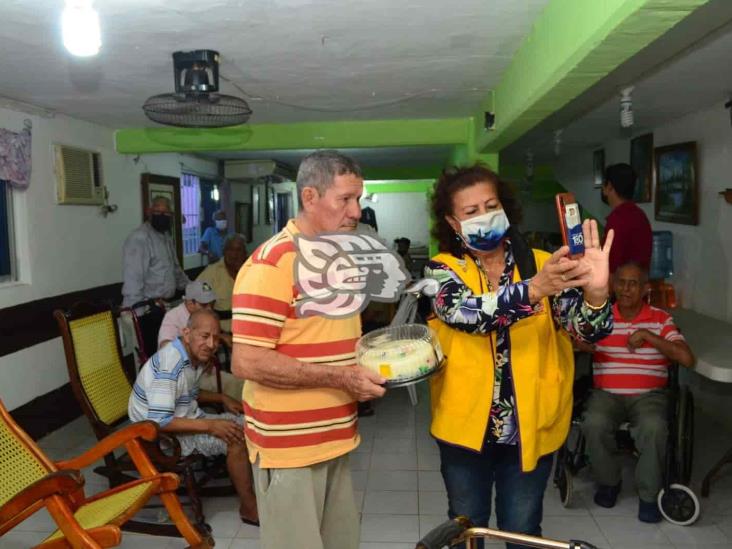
<point>200,292</point>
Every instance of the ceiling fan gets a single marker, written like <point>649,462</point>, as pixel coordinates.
<point>196,102</point>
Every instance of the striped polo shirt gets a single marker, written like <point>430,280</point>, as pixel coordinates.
<point>617,369</point>
<point>292,427</point>
<point>166,387</point>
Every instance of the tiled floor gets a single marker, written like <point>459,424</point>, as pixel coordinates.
<point>401,495</point>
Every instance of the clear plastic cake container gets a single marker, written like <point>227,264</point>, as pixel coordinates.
<point>404,354</point>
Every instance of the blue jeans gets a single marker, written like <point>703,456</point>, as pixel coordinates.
<point>469,479</point>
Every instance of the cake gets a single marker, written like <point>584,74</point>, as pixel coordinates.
<point>400,359</point>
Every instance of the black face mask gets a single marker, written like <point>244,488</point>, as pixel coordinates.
<point>160,222</point>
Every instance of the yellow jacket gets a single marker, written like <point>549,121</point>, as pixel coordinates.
<point>542,363</point>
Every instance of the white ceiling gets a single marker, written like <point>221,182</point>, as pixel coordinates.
<point>305,60</point>
<point>696,79</point>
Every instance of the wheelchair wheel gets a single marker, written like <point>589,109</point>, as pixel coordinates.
<point>563,480</point>
<point>679,505</point>
<point>684,435</point>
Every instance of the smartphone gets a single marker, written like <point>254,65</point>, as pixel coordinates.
<point>570,222</point>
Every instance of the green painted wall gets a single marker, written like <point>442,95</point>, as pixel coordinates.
<point>316,135</point>
<point>415,186</point>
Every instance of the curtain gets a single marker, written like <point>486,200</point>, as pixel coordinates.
<point>190,197</point>
<point>15,156</point>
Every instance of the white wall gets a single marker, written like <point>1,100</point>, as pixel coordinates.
<point>63,248</point>
<point>402,215</point>
<point>702,253</point>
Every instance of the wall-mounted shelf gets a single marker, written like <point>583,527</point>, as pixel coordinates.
<point>727,194</point>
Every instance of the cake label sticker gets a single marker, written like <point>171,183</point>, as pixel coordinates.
<point>338,274</point>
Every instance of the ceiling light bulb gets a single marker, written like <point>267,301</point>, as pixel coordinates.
<point>80,28</point>
<point>626,108</point>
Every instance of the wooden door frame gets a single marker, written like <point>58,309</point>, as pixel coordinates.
<point>146,179</point>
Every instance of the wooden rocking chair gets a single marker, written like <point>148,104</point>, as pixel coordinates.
<point>30,481</point>
<point>102,388</point>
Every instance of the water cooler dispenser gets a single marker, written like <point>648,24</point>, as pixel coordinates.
<point>662,292</point>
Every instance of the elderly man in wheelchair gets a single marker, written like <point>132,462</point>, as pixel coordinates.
<point>630,379</point>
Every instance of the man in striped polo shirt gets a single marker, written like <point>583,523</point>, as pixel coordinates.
<point>630,374</point>
<point>167,391</point>
<point>302,379</point>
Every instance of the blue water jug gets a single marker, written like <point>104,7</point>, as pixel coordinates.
<point>662,256</point>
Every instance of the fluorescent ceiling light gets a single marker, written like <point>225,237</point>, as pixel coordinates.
<point>80,28</point>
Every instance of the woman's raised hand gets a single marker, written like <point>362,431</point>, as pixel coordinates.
<point>558,273</point>
<point>589,272</point>
<point>596,260</point>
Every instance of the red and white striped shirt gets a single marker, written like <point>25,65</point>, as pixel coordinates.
<point>617,369</point>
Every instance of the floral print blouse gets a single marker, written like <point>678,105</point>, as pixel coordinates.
<point>456,305</point>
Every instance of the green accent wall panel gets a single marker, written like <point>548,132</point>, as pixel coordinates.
<point>316,135</point>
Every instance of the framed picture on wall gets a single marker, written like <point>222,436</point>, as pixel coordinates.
<point>598,167</point>
<point>154,186</point>
<point>255,205</point>
<point>641,159</point>
<point>677,187</point>
<point>243,215</point>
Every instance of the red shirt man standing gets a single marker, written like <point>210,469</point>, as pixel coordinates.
<point>633,235</point>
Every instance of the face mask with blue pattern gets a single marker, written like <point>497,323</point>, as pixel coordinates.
<point>485,232</point>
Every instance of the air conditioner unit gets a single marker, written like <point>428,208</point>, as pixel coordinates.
<point>254,169</point>
<point>78,176</point>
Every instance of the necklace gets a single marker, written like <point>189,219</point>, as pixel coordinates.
<point>485,273</point>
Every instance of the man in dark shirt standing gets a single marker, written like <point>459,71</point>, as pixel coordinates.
<point>633,235</point>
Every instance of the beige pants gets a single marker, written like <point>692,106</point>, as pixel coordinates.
<point>230,385</point>
<point>310,507</point>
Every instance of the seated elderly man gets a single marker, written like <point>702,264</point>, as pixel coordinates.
<point>221,276</point>
<point>630,375</point>
<point>167,391</point>
<point>199,295</point>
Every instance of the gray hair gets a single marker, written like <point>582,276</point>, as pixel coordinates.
<point>160,198</point>
<point>198,315</point>
<point>642,269</point>
<point>235,237</point>
<point>320,168</point>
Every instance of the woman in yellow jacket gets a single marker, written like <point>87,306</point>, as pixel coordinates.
<point>502,404</point>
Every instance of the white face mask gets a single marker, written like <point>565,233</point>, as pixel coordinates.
<point>485,232</point>
<point>221,224</point>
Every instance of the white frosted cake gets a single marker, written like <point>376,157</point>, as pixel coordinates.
<point>400,359</point>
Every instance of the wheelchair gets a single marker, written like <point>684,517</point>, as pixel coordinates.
<point>676,501</point>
